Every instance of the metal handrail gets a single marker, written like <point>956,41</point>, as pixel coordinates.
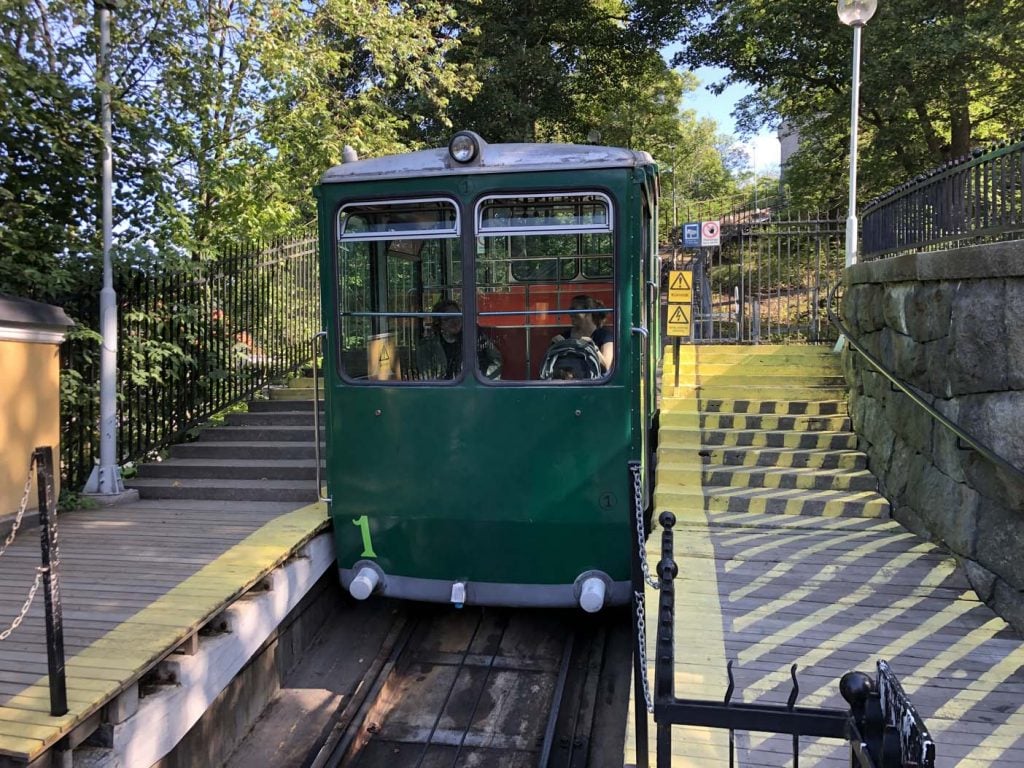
<point>910,392</point>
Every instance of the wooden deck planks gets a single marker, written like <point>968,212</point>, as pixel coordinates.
<point>136,581</point>
<point>781,593</point>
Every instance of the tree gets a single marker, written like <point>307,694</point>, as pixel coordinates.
<point>938,78</point>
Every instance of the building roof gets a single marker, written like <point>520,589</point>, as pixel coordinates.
<point>494,158</point>
<point>15,311</point>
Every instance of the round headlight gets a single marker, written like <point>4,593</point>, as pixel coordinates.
<point>463,147</point>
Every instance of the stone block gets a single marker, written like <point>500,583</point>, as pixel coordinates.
<point>1009,603</point>
<point>997,419</point>
<point>911,422</point>
<point>894,306</point>
<point>946,453</point>
<point>1013,312</point>
<point>928,311</point>
<point>1000,541</point>
<point>983,581</point>
<point>936,360</point>
<point>977,330</point>
<point>946,507</point>
<point>901,461</point>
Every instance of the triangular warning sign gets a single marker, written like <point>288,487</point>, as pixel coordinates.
<point>679,316</point>
<point>679,281</point>
<point>384,355</point>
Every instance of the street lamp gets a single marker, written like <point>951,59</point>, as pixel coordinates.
<point>854,13</point>
<point>105,479</point>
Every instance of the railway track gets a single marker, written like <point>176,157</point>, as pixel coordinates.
<point>502,688</point>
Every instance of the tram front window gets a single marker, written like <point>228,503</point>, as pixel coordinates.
<point>545,284</point>
<point>400,280</point>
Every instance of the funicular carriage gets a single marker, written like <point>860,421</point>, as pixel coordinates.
<point>459,482</point>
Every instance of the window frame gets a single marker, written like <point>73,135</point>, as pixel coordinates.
<point>454,234</point>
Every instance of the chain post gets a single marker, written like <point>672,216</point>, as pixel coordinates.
<point>51,584</point>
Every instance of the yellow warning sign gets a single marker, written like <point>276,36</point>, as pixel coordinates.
<point>680,286</point>
<point>678,319</point>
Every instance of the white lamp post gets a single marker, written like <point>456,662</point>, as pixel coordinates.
<point>854,13</point>
<point>105,479</point>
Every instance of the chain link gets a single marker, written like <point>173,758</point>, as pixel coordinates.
<point>638,597</point>
<point>21,509</point>
<point>638,507</point>
<point>28,604</point>
<point>641,631</point>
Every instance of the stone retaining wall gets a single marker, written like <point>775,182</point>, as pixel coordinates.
<point>951,324</point>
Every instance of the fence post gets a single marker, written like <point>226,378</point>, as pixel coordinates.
<point>51,586</point>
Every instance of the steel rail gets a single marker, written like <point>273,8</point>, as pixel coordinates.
<point>910,391</point>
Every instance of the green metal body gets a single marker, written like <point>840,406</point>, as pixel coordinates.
<point>513,483</point>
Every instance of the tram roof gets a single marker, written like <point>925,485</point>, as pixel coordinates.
<point>494,158</point>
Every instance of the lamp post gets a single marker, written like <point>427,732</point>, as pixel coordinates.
<point>105,479</point>
<point>854,13</point>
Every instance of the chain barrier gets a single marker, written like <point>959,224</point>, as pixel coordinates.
<point>638,508</point>
<point>28,604</point>
<point>21,509</point>
<point>638,596</point>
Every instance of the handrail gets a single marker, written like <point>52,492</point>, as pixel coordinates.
<point>909,391</point>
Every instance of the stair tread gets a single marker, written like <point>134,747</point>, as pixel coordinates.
<point>748,469</point>
<point>196,462</point>
<point>202,482</point>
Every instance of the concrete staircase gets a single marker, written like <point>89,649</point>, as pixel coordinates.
<point>760,429</point>
<point>266,454</point>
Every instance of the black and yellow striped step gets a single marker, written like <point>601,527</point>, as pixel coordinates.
<point>774,501</point>
<point>758,421</point>
<point>780,407</point>
<point>752,390</point>
<point>684,437</point>
<point>811,478</point>
<point>763,457</point>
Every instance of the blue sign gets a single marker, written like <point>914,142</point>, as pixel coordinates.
<point>691,235</point>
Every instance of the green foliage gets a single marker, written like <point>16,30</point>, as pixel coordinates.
<point>937,79</point>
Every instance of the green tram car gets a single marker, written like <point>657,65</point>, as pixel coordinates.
<point>470,458</point>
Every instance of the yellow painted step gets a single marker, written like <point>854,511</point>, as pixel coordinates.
<point>812,478</point>
<point>761,457</point>
<point>751,365</point>
<point>303,382</point>
<point>772,501</point>
<point>683,437</point>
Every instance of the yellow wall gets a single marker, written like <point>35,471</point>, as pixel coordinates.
<point>29,415</point>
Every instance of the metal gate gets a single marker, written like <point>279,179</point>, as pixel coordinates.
<point>768,280</point>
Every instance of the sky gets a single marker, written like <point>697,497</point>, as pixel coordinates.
<point>763,149</point>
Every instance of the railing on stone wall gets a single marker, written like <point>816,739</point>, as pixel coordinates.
<point>195,337</point>
<point>975,199</point>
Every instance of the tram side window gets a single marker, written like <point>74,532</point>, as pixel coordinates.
<point>398,263</point>
<point>545,284</point>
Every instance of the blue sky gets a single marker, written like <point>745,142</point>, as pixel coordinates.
<point>763,149</point>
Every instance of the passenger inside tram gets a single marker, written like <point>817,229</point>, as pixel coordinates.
<point>440,353</point>
<point>588,323</point>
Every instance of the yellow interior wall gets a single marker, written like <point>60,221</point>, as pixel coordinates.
<point>29,416</point>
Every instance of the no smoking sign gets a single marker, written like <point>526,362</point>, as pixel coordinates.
<point>710,233</point>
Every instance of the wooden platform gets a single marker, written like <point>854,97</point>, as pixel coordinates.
<point>137,581</point>
<point>831,595</point>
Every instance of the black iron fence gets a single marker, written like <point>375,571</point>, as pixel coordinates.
<point>195,337</point>
<point>974,199</point>
<point>767,281</point>
<point>882,728</point>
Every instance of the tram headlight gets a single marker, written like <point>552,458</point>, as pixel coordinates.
<point>464,147</point>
